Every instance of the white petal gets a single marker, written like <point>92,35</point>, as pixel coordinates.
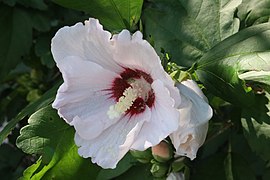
<point>89,42</point>
<point>194,87</point>
<point>107,149</point>
<point>193,122</point>
<point>188,140</point>
<point>81,100</point>
<point>164,119</point>
<point>194,108</point>
<point>140,54</point>
<point>176,176</point>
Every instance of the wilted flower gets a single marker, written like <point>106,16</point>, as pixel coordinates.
<point>115,92</point>
<point>193,122</point>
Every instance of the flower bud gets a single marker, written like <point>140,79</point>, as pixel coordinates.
<point>142,156</point>
<point>162,152</point>
<point>159,170</point>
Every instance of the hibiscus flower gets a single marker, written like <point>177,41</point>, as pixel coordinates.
<point>115,92</point>
<point>195,113</point>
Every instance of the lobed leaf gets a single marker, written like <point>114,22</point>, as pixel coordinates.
<point>256,127</point>
<point>50,136</point>
<point>60,157</point>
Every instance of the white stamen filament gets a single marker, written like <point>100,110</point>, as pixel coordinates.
<point>139,88</point>
<point>123,104</point>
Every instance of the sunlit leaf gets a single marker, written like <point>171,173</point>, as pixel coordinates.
<point>258,76</point>
<point>254,11</point>
<point>219,69</point>
<point>60,157</point>
<point>115,15</point>
<point>187,29</point>
<point>256,72</point>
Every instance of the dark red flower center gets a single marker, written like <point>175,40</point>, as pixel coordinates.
<point>132,92</point>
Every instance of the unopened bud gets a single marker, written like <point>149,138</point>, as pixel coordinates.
<point>142,156</point>
<point>162,152</point>
<point>158,169</point>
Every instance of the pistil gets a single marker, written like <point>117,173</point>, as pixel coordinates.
<point>132,92</point>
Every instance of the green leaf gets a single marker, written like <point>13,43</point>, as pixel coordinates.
<point>115,15</point>
<point>139,172</point>
<point>43,50</point>
<point>219,69</point>
<point>43,101</point>
<point>9,2</point>
<point>256,72</point>
<point>230,166</point>
<point>15,37</point>
<point>215,162</point>
<point>10,158</point>
<point>258,76</point>
<point>237,168</point>
<point>40,21</point>
<point>27,174</point>
<point>60,159</point>
<point>254,11</point>
<point>41,132</point>
<point>240,147</point>
<point>36,4</point>
<point>257,130</point>
<point>215,141</point>
<point>178,165</point>
<point>187,29</point>
<point>266,175</point>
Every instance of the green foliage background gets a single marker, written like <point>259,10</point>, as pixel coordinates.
<point>224,45</point>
